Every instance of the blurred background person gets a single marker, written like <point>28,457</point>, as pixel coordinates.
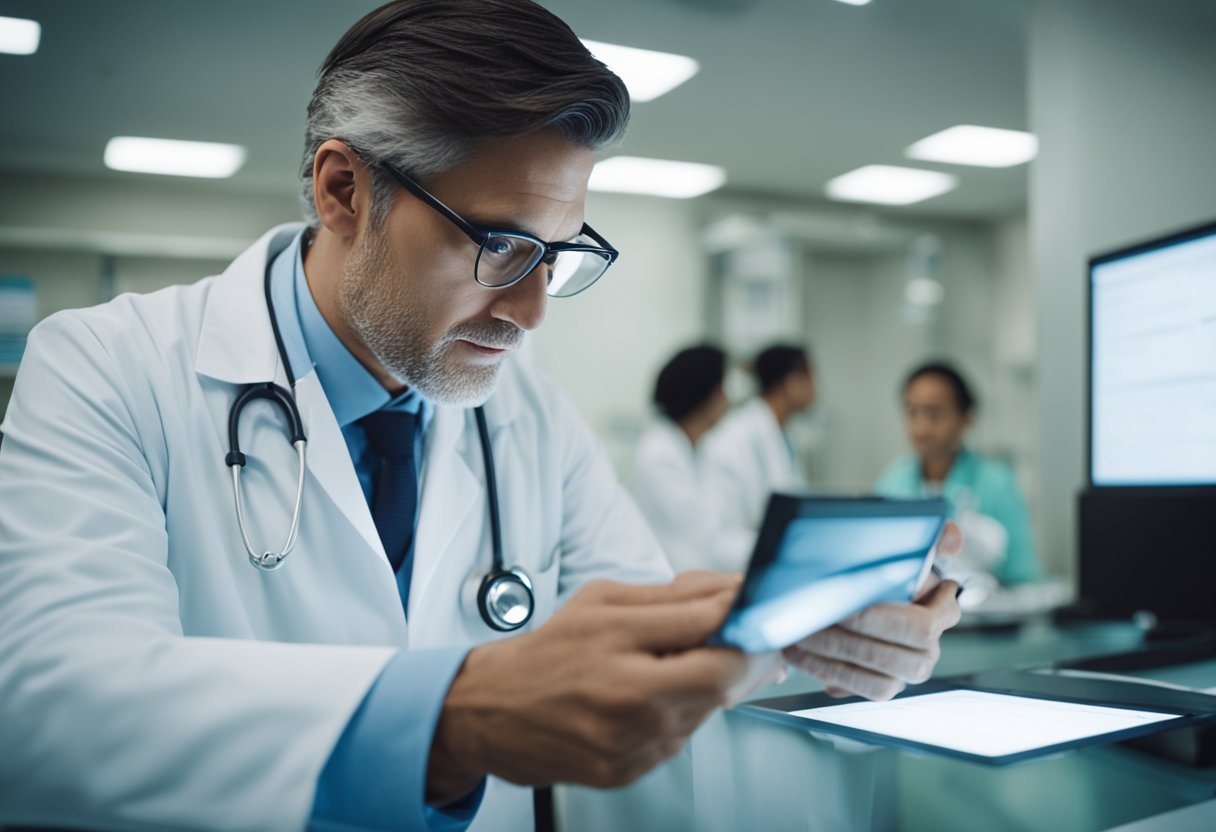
<point>984,498</point>
<point>749,456</point>
<point>668,479</point>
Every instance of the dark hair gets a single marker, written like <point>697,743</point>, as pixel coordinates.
<point>776,363</point>
<point>417,83</point>
<point>688,380</point>
<point>963,396</point>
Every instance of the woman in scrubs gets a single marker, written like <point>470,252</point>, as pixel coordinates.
<point>984,498</point>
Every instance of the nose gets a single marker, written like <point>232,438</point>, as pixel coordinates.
<point>524,303</point>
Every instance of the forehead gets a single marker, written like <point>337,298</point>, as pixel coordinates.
<point>930,389</point>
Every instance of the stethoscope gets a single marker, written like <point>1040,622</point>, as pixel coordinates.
<point>503,597</point>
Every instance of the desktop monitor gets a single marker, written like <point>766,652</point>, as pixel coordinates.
<point>1147,520</point>
<point>1152,386</point>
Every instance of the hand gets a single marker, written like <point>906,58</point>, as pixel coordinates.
<point>607,689</point>
<point>878,651</point>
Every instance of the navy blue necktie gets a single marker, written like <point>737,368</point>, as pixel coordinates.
<point>395,489</point>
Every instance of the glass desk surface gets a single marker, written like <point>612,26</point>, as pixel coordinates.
<point>740,772</point>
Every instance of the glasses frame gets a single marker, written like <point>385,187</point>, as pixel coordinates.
<point>481,235</point>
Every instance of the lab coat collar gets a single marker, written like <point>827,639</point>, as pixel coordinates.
<point>236,344</point>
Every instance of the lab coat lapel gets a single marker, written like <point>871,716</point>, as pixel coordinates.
<point>237,346</point>
<point>330,464</point>
<point>450,491</point>
<point>452,528</point>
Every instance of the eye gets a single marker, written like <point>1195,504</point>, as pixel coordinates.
<point>500,246</point>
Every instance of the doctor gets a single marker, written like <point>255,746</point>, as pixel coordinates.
<point>272,617</point>
<point>668,468</point>
<point>748,456</point>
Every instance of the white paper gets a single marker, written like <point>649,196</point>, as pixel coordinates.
<point>981,723</point>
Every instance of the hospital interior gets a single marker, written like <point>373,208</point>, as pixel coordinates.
<point>1018,195</point>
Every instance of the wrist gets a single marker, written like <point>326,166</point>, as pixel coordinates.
<point>454,769</point>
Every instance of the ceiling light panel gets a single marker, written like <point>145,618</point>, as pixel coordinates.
<point>655,177</point>
<point>209,160</point>
<point>647,74</point>
<point>969,144</point>
<point>889,185</point>
<point>19,36</point>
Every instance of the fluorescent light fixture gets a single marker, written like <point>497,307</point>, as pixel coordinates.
<point>889,185</point>
<point>986,147</point>
<point>19,36</point>
<point>174,158</point>
<point>646,74</point>
<point>854,2</point>
<point>655,177</point>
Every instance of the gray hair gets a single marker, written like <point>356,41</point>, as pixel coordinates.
<point>417,83</point>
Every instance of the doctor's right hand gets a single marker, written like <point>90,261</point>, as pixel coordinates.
<point>608,688</point>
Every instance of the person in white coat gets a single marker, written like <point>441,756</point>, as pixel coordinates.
<point>161,668</point>
<point>668,477</point>
<point>749,456</point>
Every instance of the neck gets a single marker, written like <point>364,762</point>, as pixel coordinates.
<point>694,426</point>
<point>777,404</point>
<point>323,259</point>
<point>938,468</point>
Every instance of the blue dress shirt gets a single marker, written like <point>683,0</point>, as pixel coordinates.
<point>375,777</point>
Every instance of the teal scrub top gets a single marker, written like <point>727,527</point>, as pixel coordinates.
<point>980,484</point>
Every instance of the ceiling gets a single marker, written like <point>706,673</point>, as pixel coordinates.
<point>791,92</point>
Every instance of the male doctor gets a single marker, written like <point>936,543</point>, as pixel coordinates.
<point>153,675</point>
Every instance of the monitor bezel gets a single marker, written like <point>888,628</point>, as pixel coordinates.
<point>1206,229</point>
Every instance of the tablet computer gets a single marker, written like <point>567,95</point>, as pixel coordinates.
<point>995,719</point>
<point>818,560</point>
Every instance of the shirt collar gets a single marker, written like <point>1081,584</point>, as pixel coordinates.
<point>352,391</point>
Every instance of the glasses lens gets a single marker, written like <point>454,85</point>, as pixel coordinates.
<point>574,271</point>
<point>504,258</point>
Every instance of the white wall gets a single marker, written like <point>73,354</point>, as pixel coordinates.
<point>605,347</point>
<point>1123,99</point>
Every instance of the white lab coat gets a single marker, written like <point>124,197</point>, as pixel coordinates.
<point>150,678</point>
<point>746,458</point>
<point>674,493</point>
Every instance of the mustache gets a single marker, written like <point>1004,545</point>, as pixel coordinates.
<point>499,335</point>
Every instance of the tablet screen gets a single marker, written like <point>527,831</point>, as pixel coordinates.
<point>819,560</point>
<point>982,723</point>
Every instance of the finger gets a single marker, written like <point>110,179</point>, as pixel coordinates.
<point>942,601</point>
<point>669,627</point>
<point>686,587</point>
<point>950,542</point>
<point>837,675</point>
<point>882,657</point>
<point>917,625</point>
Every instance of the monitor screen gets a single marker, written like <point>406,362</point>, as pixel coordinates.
<point>1153,370</point>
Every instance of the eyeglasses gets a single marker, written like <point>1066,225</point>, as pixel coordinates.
<point>505,257</point>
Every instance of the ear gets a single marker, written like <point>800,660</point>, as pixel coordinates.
<point>341,188</point>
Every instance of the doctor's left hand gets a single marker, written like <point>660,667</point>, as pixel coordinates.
<point>880,650</point>
<point>608,688</point>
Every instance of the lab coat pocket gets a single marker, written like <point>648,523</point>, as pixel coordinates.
<point>545,586</point>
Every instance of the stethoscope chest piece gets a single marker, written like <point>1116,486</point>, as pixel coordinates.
<point>505,599</point>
